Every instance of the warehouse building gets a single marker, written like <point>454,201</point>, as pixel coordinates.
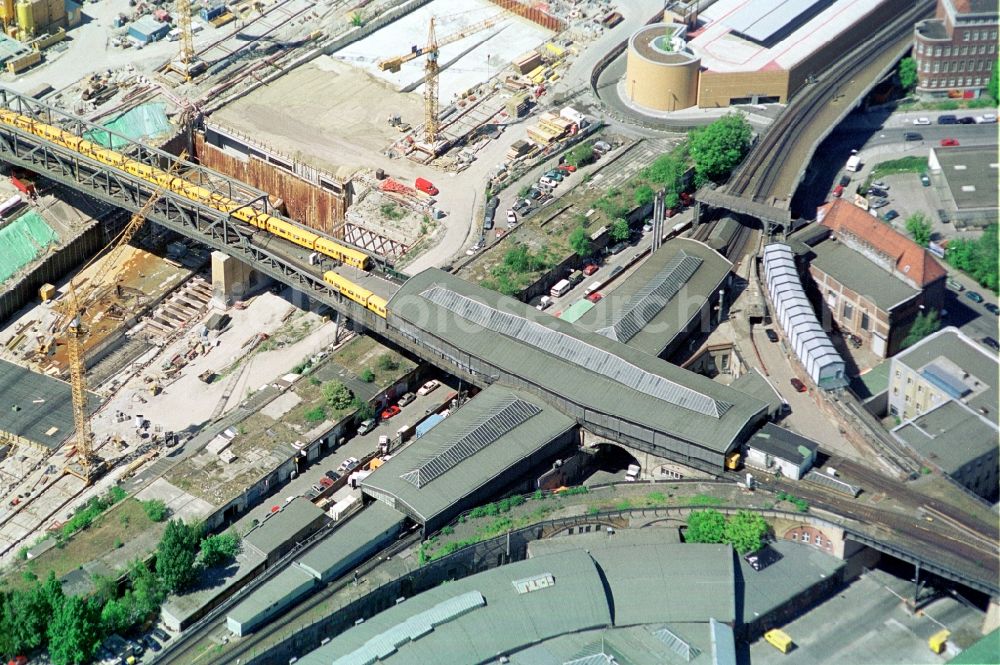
<point>873,280</point>
<point>479,451</point>
<point>670,297</point>
<point>285,527</point>
<point>792,310</point>
<point>970,175</point>
<point>608,387</point>
<point>743,51</point>
<point>147,29</point>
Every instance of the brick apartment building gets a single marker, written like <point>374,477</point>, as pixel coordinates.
<point>873,281</point>
<point>956,50</point>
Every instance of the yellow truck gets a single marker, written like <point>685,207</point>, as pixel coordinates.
<point>779,640</point>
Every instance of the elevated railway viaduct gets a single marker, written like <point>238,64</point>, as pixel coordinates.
<point>674,431</point>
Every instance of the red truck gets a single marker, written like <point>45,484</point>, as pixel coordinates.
<point>27,188</point>
<point>426,186</point>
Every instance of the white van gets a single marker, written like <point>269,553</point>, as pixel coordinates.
<point>560,288</point>
<point>544,303</point>
<point>593,287</point>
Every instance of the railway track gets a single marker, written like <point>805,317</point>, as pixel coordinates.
<point>755,179</point>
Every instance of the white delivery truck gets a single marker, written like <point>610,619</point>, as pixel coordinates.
<point>854,163</point>
<point>560,288</point>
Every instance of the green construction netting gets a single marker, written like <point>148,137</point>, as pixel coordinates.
<point>139,124</point>
<point>22,241</point>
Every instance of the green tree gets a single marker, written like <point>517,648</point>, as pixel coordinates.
<point>73,632</point>
<point>993,87</point>
<point>357,20</point>
<point>387,363</point>
<point>918,226</point>
<point>117,615</point>
<point>705,526</point>
<point>337,394</point>
<point>745,531</point>
<point>977,258</point>
<point>643,195</point>
<point>923,325</point>
<point>155,510</point>
<point>620,230</point>
<point>908,73</point>
<point>580,155</point>
<point>176,555</point>
<point>24,616</point>
<point>219,549</point>
<point>364,409</point>
<point>147,591</point>
<point>367,375</point>
<point>579,242</point>
<point>671,200</point>
<point>668,169</point>
<point>719,147</point>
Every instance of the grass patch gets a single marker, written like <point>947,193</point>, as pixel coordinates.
<point>390,211</point>
<point>704,500</point>
<point>895,166</point>
<point>983,102</point>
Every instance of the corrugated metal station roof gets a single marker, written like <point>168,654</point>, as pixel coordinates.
<point>342,544</point>
<point>278,527</point>
<point>508,621</point>
<point>438,469</point>
<point>650,307</point>
<point>569,362</point>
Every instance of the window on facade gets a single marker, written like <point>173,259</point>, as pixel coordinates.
<point>965,49</point>
<point>795,536</point>
<point>979,81</point>
<point>920,48</point>
<point>951,83</point>
<point>965,35</point>
<point>805,537</point>
<point>848,311</point>
<point>819,541</point>
<point>993,35</point>
<point>937,51</point>
<point>937,67</point>
<point>961,66</point>
<point>982,49</point>
<point>947,51</point>
<point>993,47</point>
<point>865,321</point>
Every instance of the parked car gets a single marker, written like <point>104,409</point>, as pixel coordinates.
<point>881,184</point>
<point>548,182</point>
<point>472,250</point>
<point>390,411</point>
<point>590,269</point>
<point>348,464</point>
<point>544,303</point>
<point>798,385</point>
<point>986,118</point>
<point>845,180</point>
<point>428,387</point>
<point>947,120</point>
<point>974,296</point>
<point>686,199</point>
<point>616,248</point>
<point>949,142</point>
<point>162,634</point>
<point>568,168</point>
<point>325,482</point>
<point>534,193</point>
<point>925,180</point>
<point>877,203</point>
<point>318,488</point>
<point>595,296</point>
<point>555,174</point>
<point>992,309</point>
<point>967,120</point>
<point>332,476</point>
<point>366,426</point>
<point>838,190</point>
<point>511,218</point>
<point>151,642</point>
<point>877,191</point>
<point>992,343</point>
<point>406,399</point>
<point>771,335</point>
<point>891,215</point>
<point>922,121</point>
<point>955,284</point>
<point>913,136</point>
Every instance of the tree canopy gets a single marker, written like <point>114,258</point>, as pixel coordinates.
<point>923,325</point>
<point>579,242</point>
<point>619,230</point>
<point>918,226</point>
<point>337,394</point>
<point>993,85</point>
<point>643,195</point>
<point>218,549</point>
<point>176,555</point>
<point>580,155</point>
<point>908,73</point>
<point>719,147</point>
<point>73,631</point>
<point>977,258</point>
<point>705,526</point>
<point>745,531</point>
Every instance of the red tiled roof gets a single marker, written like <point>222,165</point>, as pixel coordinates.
<point>912,260</point>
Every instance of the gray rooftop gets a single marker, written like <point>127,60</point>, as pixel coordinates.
<point>856,272</point>
<point>953,351</point>
<point>659,644</point>
<point>782,443</point>
<point>656,302</point>
<point>271,592</point>
<point>754,383</point>
<point>324,560</point>
<point>563,361</point>
<point>277,528</point>
<point>971,174</point>
<point>950,435</point>
<point>799,567</point>
<point>37,407</point>
<point>567,596</point>
<point>653,578</point>
<point>475,444</point>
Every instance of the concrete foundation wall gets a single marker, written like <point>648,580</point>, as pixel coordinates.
<point>53,268</point>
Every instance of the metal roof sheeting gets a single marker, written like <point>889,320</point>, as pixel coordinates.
<point>576,351</point>
<point>808,339</point>
<point>760,20</point>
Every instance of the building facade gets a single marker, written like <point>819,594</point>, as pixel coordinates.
<point>873,280</point>
<point>956,51</point>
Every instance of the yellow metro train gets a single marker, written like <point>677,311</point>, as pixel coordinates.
<point>357,293</point>
<point>189,190</point>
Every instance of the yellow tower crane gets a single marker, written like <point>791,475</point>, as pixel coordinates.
<point>431,69</point>
<point>187,65</point>
<point>74,308</point>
